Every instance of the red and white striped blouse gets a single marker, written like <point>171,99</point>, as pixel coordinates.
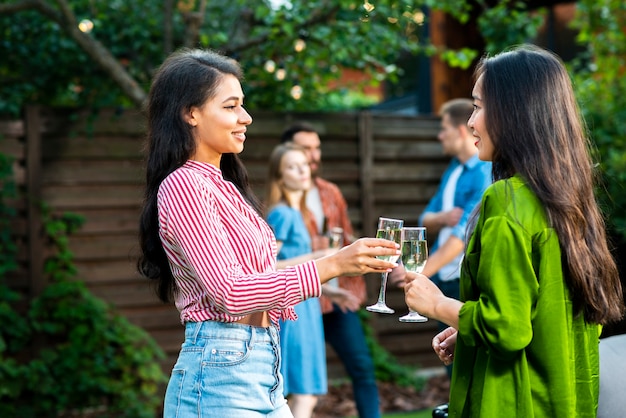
<point>222,253</point>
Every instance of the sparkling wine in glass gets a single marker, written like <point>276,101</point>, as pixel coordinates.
<point>414,255</point>
<point>390,229</point>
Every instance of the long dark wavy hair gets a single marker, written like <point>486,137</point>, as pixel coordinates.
<point>533,120</point>
<point>186,79</point>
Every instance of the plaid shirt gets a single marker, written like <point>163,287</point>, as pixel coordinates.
<point>336,213</point>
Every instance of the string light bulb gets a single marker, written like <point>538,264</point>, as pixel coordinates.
<point>299,45</point>
<point>85,26</point>
<point>296,92</point>
<point>270,66</point>
<point>281,73</point>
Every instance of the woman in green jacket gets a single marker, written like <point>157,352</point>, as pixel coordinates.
<point>537,280</point>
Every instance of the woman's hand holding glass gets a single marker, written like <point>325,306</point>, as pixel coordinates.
<point>389,229</point>
<point>414,256</point>
<point>421,294</point>
<point>363,256</point>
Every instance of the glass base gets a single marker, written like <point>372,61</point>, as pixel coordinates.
<point>380,308</point>
<point>412,317</point>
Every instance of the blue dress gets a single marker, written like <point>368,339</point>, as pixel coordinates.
<point>303,349</point>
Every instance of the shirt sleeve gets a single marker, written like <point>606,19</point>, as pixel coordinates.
<point>436,202</point>
<point>480,179</point>
<point>198,241</point>
<point>501,318</point>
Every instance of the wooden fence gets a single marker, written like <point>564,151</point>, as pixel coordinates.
<point>92,165</point>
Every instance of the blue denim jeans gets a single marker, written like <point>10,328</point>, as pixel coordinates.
<point>227,370</point>
<point>344,332</point>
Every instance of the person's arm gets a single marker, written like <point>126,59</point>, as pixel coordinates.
<point>434,221</point>
<point>281,264</point>
<point>432,217</point>
<point>474,184</point>
<point>194,232</point>
<point>444,255</point>
<point>283,222</point>
<point>423,296</point>
<point>220,252</point>
<point>344,299</point>
<point>357,259</point>
<point>500,316</point>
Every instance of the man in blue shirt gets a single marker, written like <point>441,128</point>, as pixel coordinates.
<point>460,191</point>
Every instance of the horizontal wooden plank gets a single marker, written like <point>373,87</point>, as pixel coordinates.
<point>405,126</point>
<point>118,220</point>
<point>108,270</point>
<point>132,294</point>
<point>413,150</point>
<point>92,197</point>
<point>75,122</point>
<point>104,247</point>
<point>154,317</point>
<point>11,128</point>
<point>77,172</point>
<point>10,145</point>
<point>340,124</point>
<point>89,148</point>
<point>414,193</point>
<point>403,171</point>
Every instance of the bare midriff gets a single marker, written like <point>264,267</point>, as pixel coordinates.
<point>257,319</point>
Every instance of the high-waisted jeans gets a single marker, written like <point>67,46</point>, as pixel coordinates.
<point>227,370</point>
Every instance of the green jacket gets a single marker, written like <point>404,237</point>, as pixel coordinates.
<point>520,351</point>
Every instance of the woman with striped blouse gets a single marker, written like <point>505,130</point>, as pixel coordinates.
<point>206,246</point>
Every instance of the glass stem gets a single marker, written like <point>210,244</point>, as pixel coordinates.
<point>383,288</point>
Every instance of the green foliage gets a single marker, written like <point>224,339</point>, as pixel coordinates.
<point>43,63</point>
<point>601,89</point>
<point>386,366</point>
<point>90,358</point>
<point>70,354</point>
<point>7,213</point>
<point>508,23</point>
<point>461,58</point>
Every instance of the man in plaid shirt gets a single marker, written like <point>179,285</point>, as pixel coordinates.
<point>341,298</point>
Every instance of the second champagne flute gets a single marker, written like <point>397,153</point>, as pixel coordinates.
<point>387,229</point>
<point>414,256</point>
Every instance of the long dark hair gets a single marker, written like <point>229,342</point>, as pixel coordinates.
<point>537,130</point>
<point>186,79</point>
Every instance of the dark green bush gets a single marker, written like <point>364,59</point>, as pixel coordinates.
<point>68,353</point>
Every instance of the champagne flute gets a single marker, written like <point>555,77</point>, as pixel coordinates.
<point>387,229</point>
<point>414,256</point>
<point>335,240</point>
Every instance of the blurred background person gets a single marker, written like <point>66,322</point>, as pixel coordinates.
<point>302,341</point>
<point>462,185</point>
<point>342,299</point>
